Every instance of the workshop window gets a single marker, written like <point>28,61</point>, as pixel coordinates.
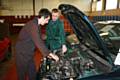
<point>99,5</point>
<point>111,4</point>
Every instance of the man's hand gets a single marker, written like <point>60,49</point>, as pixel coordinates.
<point>53,56</point>
<point>64,48</point>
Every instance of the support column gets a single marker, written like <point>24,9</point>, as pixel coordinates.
<point>34,7</point>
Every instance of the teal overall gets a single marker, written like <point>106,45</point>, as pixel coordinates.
<point>55,34</point>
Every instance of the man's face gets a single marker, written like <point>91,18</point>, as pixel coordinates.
<point>55,16</point>
<point>45,20</point>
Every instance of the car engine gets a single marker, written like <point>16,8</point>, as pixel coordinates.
<point>71,66</point>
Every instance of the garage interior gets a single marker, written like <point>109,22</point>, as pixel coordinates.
<point>15,13</point>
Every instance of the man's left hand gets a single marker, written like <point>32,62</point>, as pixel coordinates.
<point>64,48</point>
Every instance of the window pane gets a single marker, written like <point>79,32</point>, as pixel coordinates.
<point>111,4</point>
<point>99,5</point>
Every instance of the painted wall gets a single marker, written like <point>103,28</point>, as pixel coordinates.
<point>17,7</point>
<point>25,7</point>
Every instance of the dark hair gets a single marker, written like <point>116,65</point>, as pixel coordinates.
<point>44,12</point>
<point>55,10</point>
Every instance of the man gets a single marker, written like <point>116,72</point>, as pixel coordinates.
<point>28,39</point>
<point>55,33</point>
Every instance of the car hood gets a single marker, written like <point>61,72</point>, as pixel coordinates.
<point>85,30</point>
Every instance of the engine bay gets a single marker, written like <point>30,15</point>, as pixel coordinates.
<point>75,64</point>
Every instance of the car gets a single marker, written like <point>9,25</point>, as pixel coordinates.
<point>5,42</point>
<point>110,33</point>
<point>88,56</point>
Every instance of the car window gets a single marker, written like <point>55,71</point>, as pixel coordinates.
<point>117,29</point>
<point>110,33</point>
<point>107,28</point>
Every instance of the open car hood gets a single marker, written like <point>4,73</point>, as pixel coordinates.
<point>85,31</point>
<point>90,40</point>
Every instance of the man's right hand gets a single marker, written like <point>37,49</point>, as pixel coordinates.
<point>53,56</point>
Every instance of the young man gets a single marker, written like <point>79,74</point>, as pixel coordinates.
<point>28,39</point>
<point>55,33</point>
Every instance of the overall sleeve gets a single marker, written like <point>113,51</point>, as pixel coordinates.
<point>62,32</point>
<point>38,41</point>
